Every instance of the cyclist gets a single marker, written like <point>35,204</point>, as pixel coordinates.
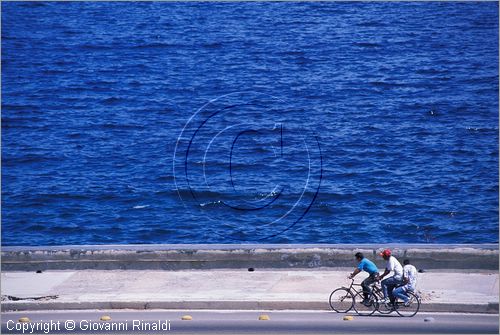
<point>366,265</point>
<point>409,282</point>
<point>392,264</point>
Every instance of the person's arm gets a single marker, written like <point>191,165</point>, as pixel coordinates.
<point>386,272</point>
<point>354,273</point>
<point>405,277</point>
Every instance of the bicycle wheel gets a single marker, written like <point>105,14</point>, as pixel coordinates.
<point>341,300</point>
<point>411,309</point>
<point>384,307</point>
<point>364,309</point>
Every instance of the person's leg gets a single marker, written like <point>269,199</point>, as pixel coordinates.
<point>384,284</point>
<point>390,287</point>
<point>367,285</point>
<point>369,282</point>
<point>394,282</point>
<point>366,288</point>
<point>387,286</point>
<point>399,292</point>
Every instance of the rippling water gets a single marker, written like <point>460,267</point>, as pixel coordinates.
<point>358,122</point>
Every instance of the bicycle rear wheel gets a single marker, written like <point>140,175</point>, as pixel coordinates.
<point>341,300</point>
<point>364,309</point>
<point>411,309</point>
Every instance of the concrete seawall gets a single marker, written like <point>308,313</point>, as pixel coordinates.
<point>234,256</point>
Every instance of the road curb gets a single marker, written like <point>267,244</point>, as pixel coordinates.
<point>489,308</point>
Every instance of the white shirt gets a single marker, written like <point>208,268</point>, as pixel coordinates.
<point>394,265</point>
<point>410,272</point>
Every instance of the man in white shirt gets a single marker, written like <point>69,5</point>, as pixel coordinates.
<point>409,282</point>
<point>392,264</point>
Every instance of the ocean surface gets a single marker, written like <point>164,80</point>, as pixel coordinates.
<point>249,122</point>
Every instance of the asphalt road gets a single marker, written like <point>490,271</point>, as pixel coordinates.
<point>243,322</point>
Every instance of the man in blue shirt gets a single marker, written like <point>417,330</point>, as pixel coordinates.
<point>367,266</point>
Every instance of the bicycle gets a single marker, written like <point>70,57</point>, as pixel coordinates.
<point>343,299</point>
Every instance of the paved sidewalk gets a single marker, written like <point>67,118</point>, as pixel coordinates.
<point>227,289</point>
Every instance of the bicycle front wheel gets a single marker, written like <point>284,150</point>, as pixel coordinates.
<point>341,300</point>
<point>411,309</point>
<point>364,308</point>
<point>383,307</point>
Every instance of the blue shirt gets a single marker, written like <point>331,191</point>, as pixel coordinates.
<point>368,266</point>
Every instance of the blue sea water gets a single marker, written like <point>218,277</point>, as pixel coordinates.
<point>328,122</point>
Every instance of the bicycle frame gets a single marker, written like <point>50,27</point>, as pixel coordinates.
<point>375,288</point>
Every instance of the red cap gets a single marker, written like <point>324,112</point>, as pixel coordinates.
<point>386,252</point>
